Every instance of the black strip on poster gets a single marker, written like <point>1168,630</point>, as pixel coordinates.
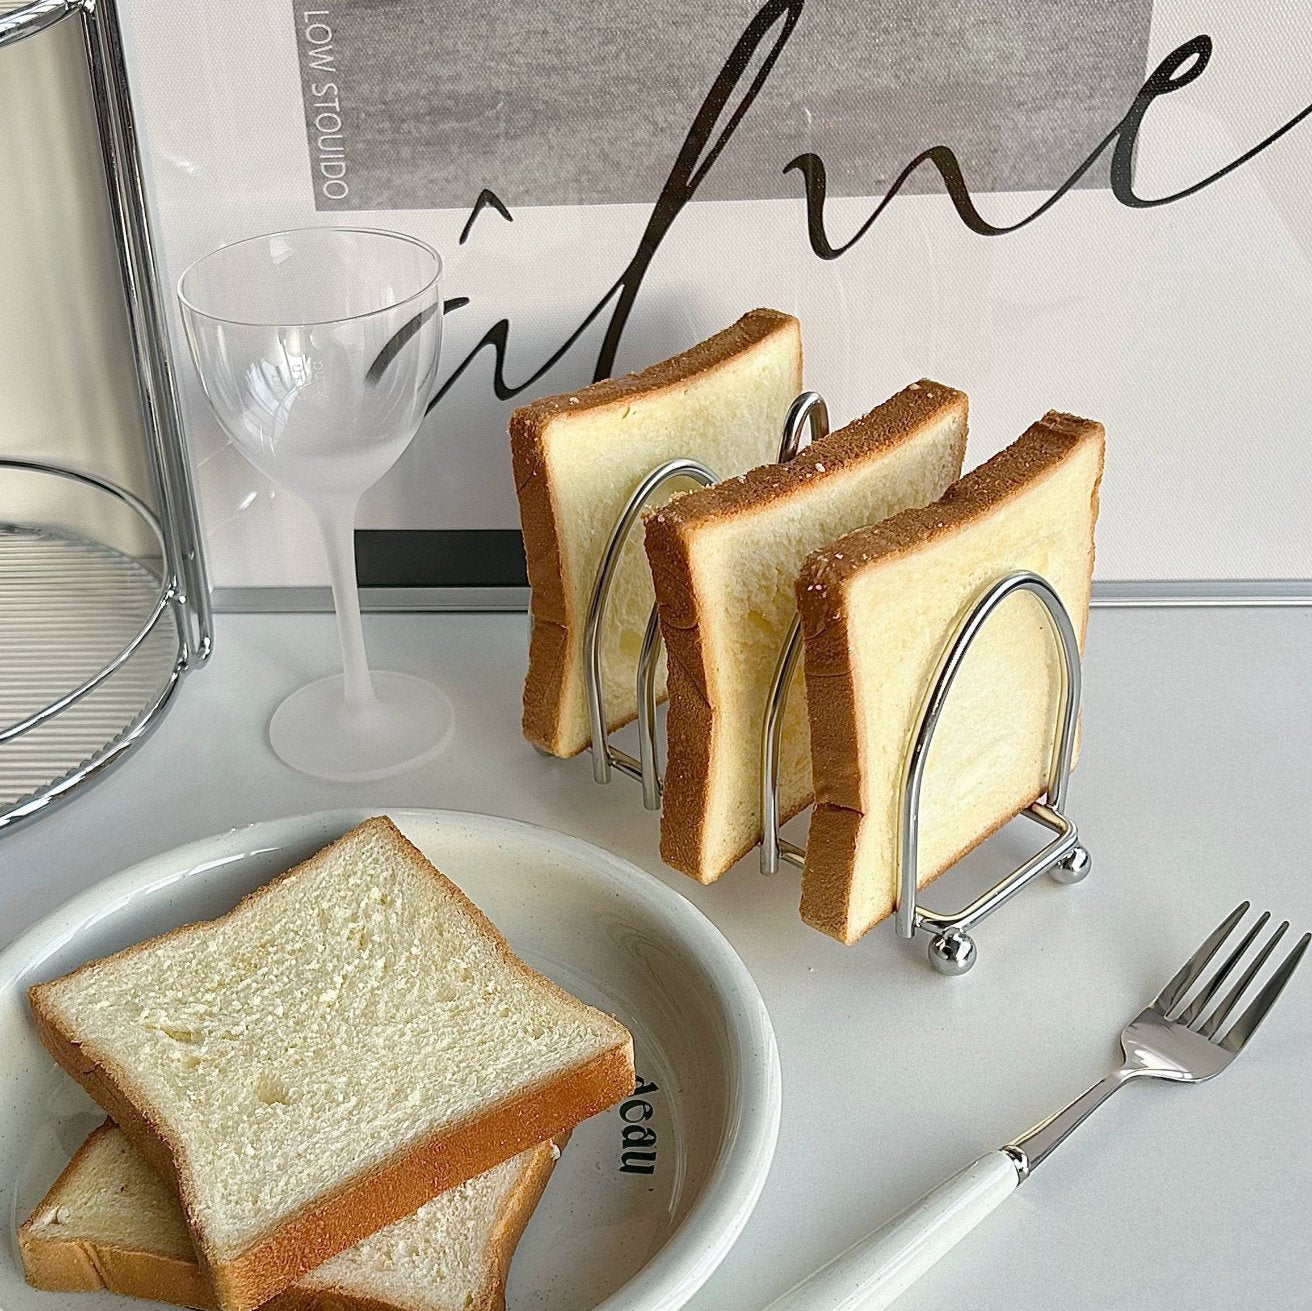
<point>440,557</point>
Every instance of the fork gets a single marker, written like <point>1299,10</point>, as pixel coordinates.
<point>1177,1038</point>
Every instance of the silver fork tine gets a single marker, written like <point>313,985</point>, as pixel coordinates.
<point>1194,966</point>
<point>1246,1025</point>
<point>1218,1017</point>
<point>1213,985</point>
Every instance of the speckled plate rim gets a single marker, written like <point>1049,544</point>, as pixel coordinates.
<point>717,1216</point>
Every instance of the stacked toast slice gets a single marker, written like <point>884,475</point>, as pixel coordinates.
<point>349,1042</point>
<point>110,1221</point>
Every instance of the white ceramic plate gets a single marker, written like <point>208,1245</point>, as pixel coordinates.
<point>604,1236</point>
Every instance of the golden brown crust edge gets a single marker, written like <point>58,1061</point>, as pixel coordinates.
<point>883,429</point>
<point>690,726</point>
<point>65,1265</point>
<point>393,1189</point>
<point>546,682</point>
<point>829,874</point>
<point>78,1265</point>
<point>514,1220</point>
<point>516,1214</point>
<point>1041,447</point>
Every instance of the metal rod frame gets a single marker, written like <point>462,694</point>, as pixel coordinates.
<point>166,602</point>
<point>951,951</point>
<point>807,419</point>
<point>164,598</point>
<point>134,243</point>
<point>184,585</point>
<point>604,755</point>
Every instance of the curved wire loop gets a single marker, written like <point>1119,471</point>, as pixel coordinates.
<point>773,847</point>
<point>163,598</point>
<point>605,756</point>
<point>807,419</point>
<point>806,422</point>
<point>1063,855</point>
<point>908,915</point>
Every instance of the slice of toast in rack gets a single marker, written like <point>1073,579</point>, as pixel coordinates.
<point>878,607</point>
<point>578,457</point>
<point>724,560</point>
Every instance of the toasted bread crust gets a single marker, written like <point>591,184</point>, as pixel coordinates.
<point>670,532</point>
<point>390,1190</point>
<point>69,1265</point>
<point>556,630</point>
<point>514,1220</point>
<point>822,594</point>
<point>79,1266</point>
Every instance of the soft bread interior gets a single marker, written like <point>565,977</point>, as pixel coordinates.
<point>109,1203</point>
<point>743,557</point>
<point>347,1012</point>
<point>728,417</point>
<point>1032,507</point>
<point>109,1196</point>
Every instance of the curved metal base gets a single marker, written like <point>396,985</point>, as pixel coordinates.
<point>92,645</point>
<point>952,951</point>
<point>112,754</point>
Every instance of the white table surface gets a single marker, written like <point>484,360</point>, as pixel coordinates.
<point>1193,793</point>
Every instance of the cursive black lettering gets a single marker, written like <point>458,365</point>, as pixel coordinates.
<point>396,342</point>
<point>486,198</point>
<point>1177,70</point>
<point>697,156</point>
<point>714,124</point>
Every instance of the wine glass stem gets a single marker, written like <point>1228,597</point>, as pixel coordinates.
<point>336,517</point>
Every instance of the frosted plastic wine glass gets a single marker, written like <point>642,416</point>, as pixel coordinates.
<point>317,350</point>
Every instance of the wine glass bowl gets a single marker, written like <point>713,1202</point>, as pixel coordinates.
<point>318,351</point>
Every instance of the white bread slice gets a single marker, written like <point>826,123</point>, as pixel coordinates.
<point>109,1221</point>
<point>347,1043</point>
<point>579,457</point>
<point>724,560</point>
<point>877,608</point>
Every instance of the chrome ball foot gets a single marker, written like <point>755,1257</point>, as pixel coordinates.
<point>952,952</point>
<point>1073,867</point>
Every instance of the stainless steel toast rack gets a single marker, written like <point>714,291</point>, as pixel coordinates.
<point>952,950</point>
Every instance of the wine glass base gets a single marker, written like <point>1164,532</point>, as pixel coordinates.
<point>316,732</point>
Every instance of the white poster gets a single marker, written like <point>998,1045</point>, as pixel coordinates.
<point>1100,208</point>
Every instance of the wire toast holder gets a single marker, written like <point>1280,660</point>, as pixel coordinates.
<point>952,950</point>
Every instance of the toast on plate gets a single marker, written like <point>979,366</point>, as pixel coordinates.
<point>109,1221</point>
<point>348,1042</point>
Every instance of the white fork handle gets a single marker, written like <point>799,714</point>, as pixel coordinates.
<point>882,1265</point>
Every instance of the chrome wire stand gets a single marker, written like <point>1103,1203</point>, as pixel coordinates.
<point>92,646</point>
<point>93,641</point>
<point>952,950</point>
